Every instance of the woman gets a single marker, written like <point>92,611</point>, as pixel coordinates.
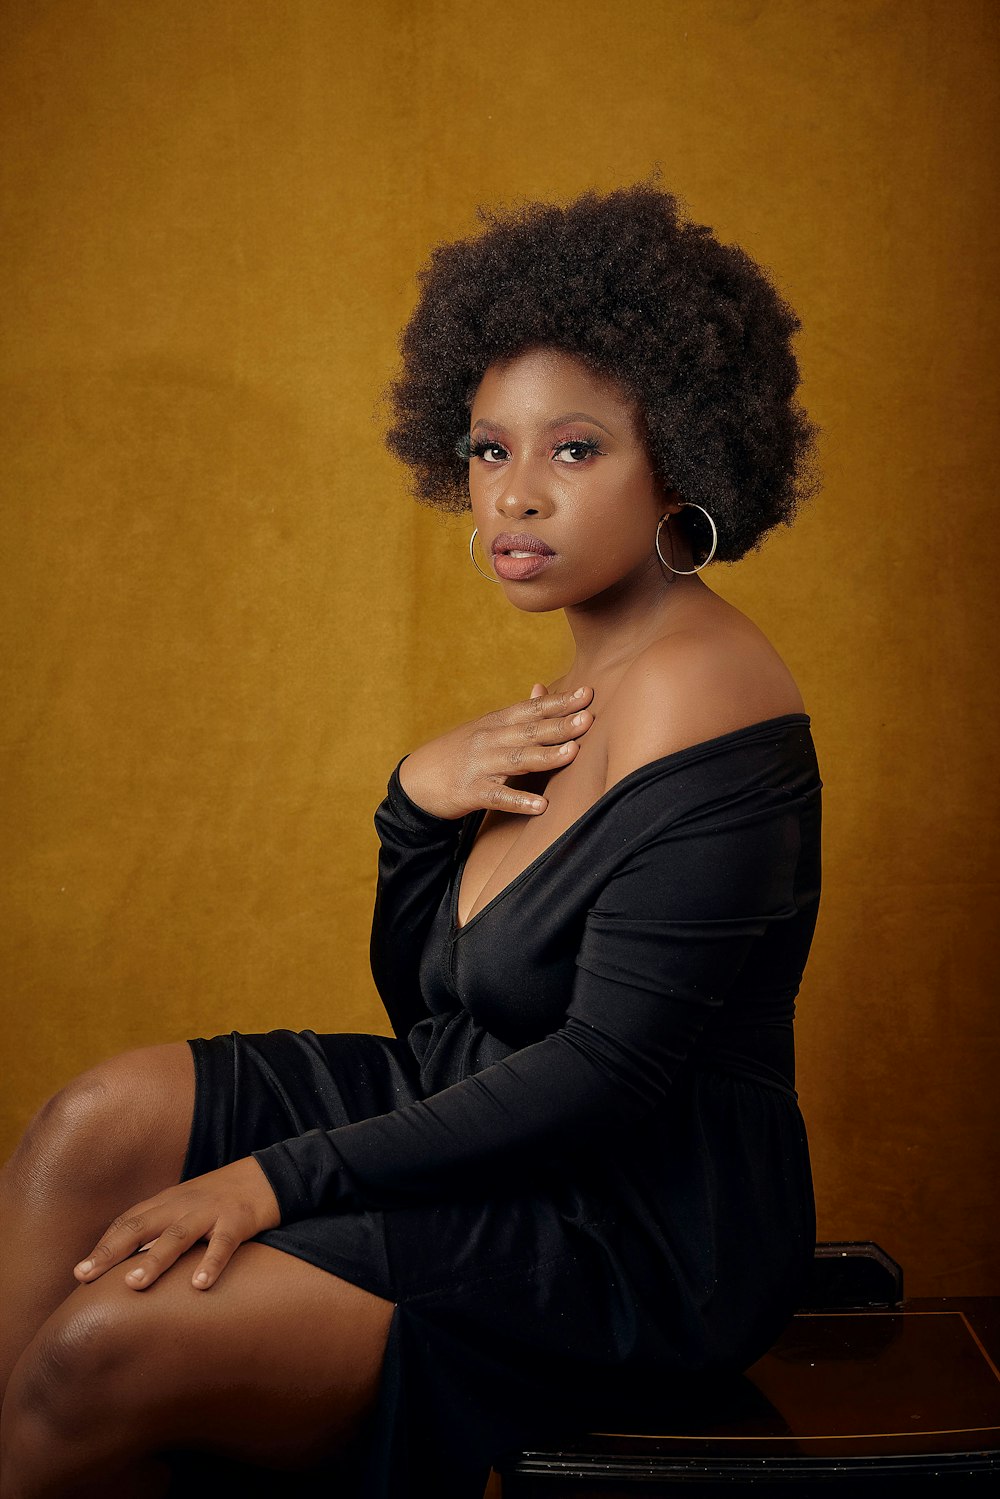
<point>579,1164</point>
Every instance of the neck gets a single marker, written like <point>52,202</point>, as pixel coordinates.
<point>611,630</point>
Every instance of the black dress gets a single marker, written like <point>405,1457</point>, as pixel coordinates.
<point>580,1162</point>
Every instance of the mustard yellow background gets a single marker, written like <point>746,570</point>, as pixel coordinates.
<point>224,621</point>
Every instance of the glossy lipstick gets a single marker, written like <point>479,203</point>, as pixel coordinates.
<point>517,568</point>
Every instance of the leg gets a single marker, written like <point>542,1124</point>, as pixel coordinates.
<point>114,1135</point>
<point>276,1365</point>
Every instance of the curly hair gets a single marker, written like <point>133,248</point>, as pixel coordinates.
<point>692,329</point>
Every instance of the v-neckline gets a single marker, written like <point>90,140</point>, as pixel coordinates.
<point>784,719</point>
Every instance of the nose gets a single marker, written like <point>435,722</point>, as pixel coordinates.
<point>525,491</point>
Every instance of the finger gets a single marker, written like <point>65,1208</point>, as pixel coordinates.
<point>539,690</point>
<point>539,707</point>
<point>537,756</point>
<point>222,1245</point>
<point>168,1248</point>
<point>546,731</point>
<point>124,1236</point>
<point>550,706</point>
<point>508,799</point>
<point>544,704</point>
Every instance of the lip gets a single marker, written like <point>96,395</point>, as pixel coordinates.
<point>514,569</point>
<point>520,541</point>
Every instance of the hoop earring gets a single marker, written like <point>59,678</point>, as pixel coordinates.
<point>686,572</point>
<point>472,542</point>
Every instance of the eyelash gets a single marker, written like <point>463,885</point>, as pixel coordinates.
<point>467,449</point>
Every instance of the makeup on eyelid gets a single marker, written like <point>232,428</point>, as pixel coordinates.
<point>470,448</point>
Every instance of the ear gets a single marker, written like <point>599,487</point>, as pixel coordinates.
<point>668,498</point>
<point>670,501</point>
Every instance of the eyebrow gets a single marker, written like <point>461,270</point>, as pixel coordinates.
<point>568,416</point>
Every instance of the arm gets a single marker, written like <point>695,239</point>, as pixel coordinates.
<point>414,866</point>
<point>236,1202</point>
<point>660,950</point>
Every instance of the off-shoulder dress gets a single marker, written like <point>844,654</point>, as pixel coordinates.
<point>580,1161</point>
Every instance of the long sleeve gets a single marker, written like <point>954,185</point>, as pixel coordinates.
<point>661,947</point>
<point>414,866</point>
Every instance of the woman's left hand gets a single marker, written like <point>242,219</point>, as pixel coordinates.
<point>226,1207</point>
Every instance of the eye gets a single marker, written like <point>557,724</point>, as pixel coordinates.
<point>580,447</point>
<point>487,451</point>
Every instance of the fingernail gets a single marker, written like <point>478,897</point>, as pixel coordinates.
<point>579,692</point>
<point>137,1275</point>
<point>579,718</point>
<point>201,1279</point>
<point>85,1267</point>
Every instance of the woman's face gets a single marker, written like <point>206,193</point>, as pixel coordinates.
<point>558,454</point>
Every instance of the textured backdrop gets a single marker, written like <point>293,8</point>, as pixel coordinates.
<point>224,621</point>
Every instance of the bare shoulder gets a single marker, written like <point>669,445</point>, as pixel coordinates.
<point>702,680</point>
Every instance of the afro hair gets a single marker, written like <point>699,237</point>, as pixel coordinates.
<point>693,330</point>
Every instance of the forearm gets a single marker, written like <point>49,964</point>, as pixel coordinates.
<point>541,1104</point>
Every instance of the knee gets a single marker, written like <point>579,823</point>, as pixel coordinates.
<point>62,1135</point>
<point>102,1117</point>
<point>81,1363</point>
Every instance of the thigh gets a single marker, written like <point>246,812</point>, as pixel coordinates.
<point>255,1088</point>
<point>277,1364</point>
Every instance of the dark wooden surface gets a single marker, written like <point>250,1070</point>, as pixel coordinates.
<point>900,1398</point>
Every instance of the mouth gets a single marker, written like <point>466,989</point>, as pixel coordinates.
<point>520,544</point>
<point>518,565</point>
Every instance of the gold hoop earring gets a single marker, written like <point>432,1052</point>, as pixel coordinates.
<point>472,542</point>
<point>687,572</point>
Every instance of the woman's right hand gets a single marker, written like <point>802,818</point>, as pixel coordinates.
<point>467,768</point>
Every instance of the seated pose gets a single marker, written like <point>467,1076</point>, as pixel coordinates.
<point>578,1167</point>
